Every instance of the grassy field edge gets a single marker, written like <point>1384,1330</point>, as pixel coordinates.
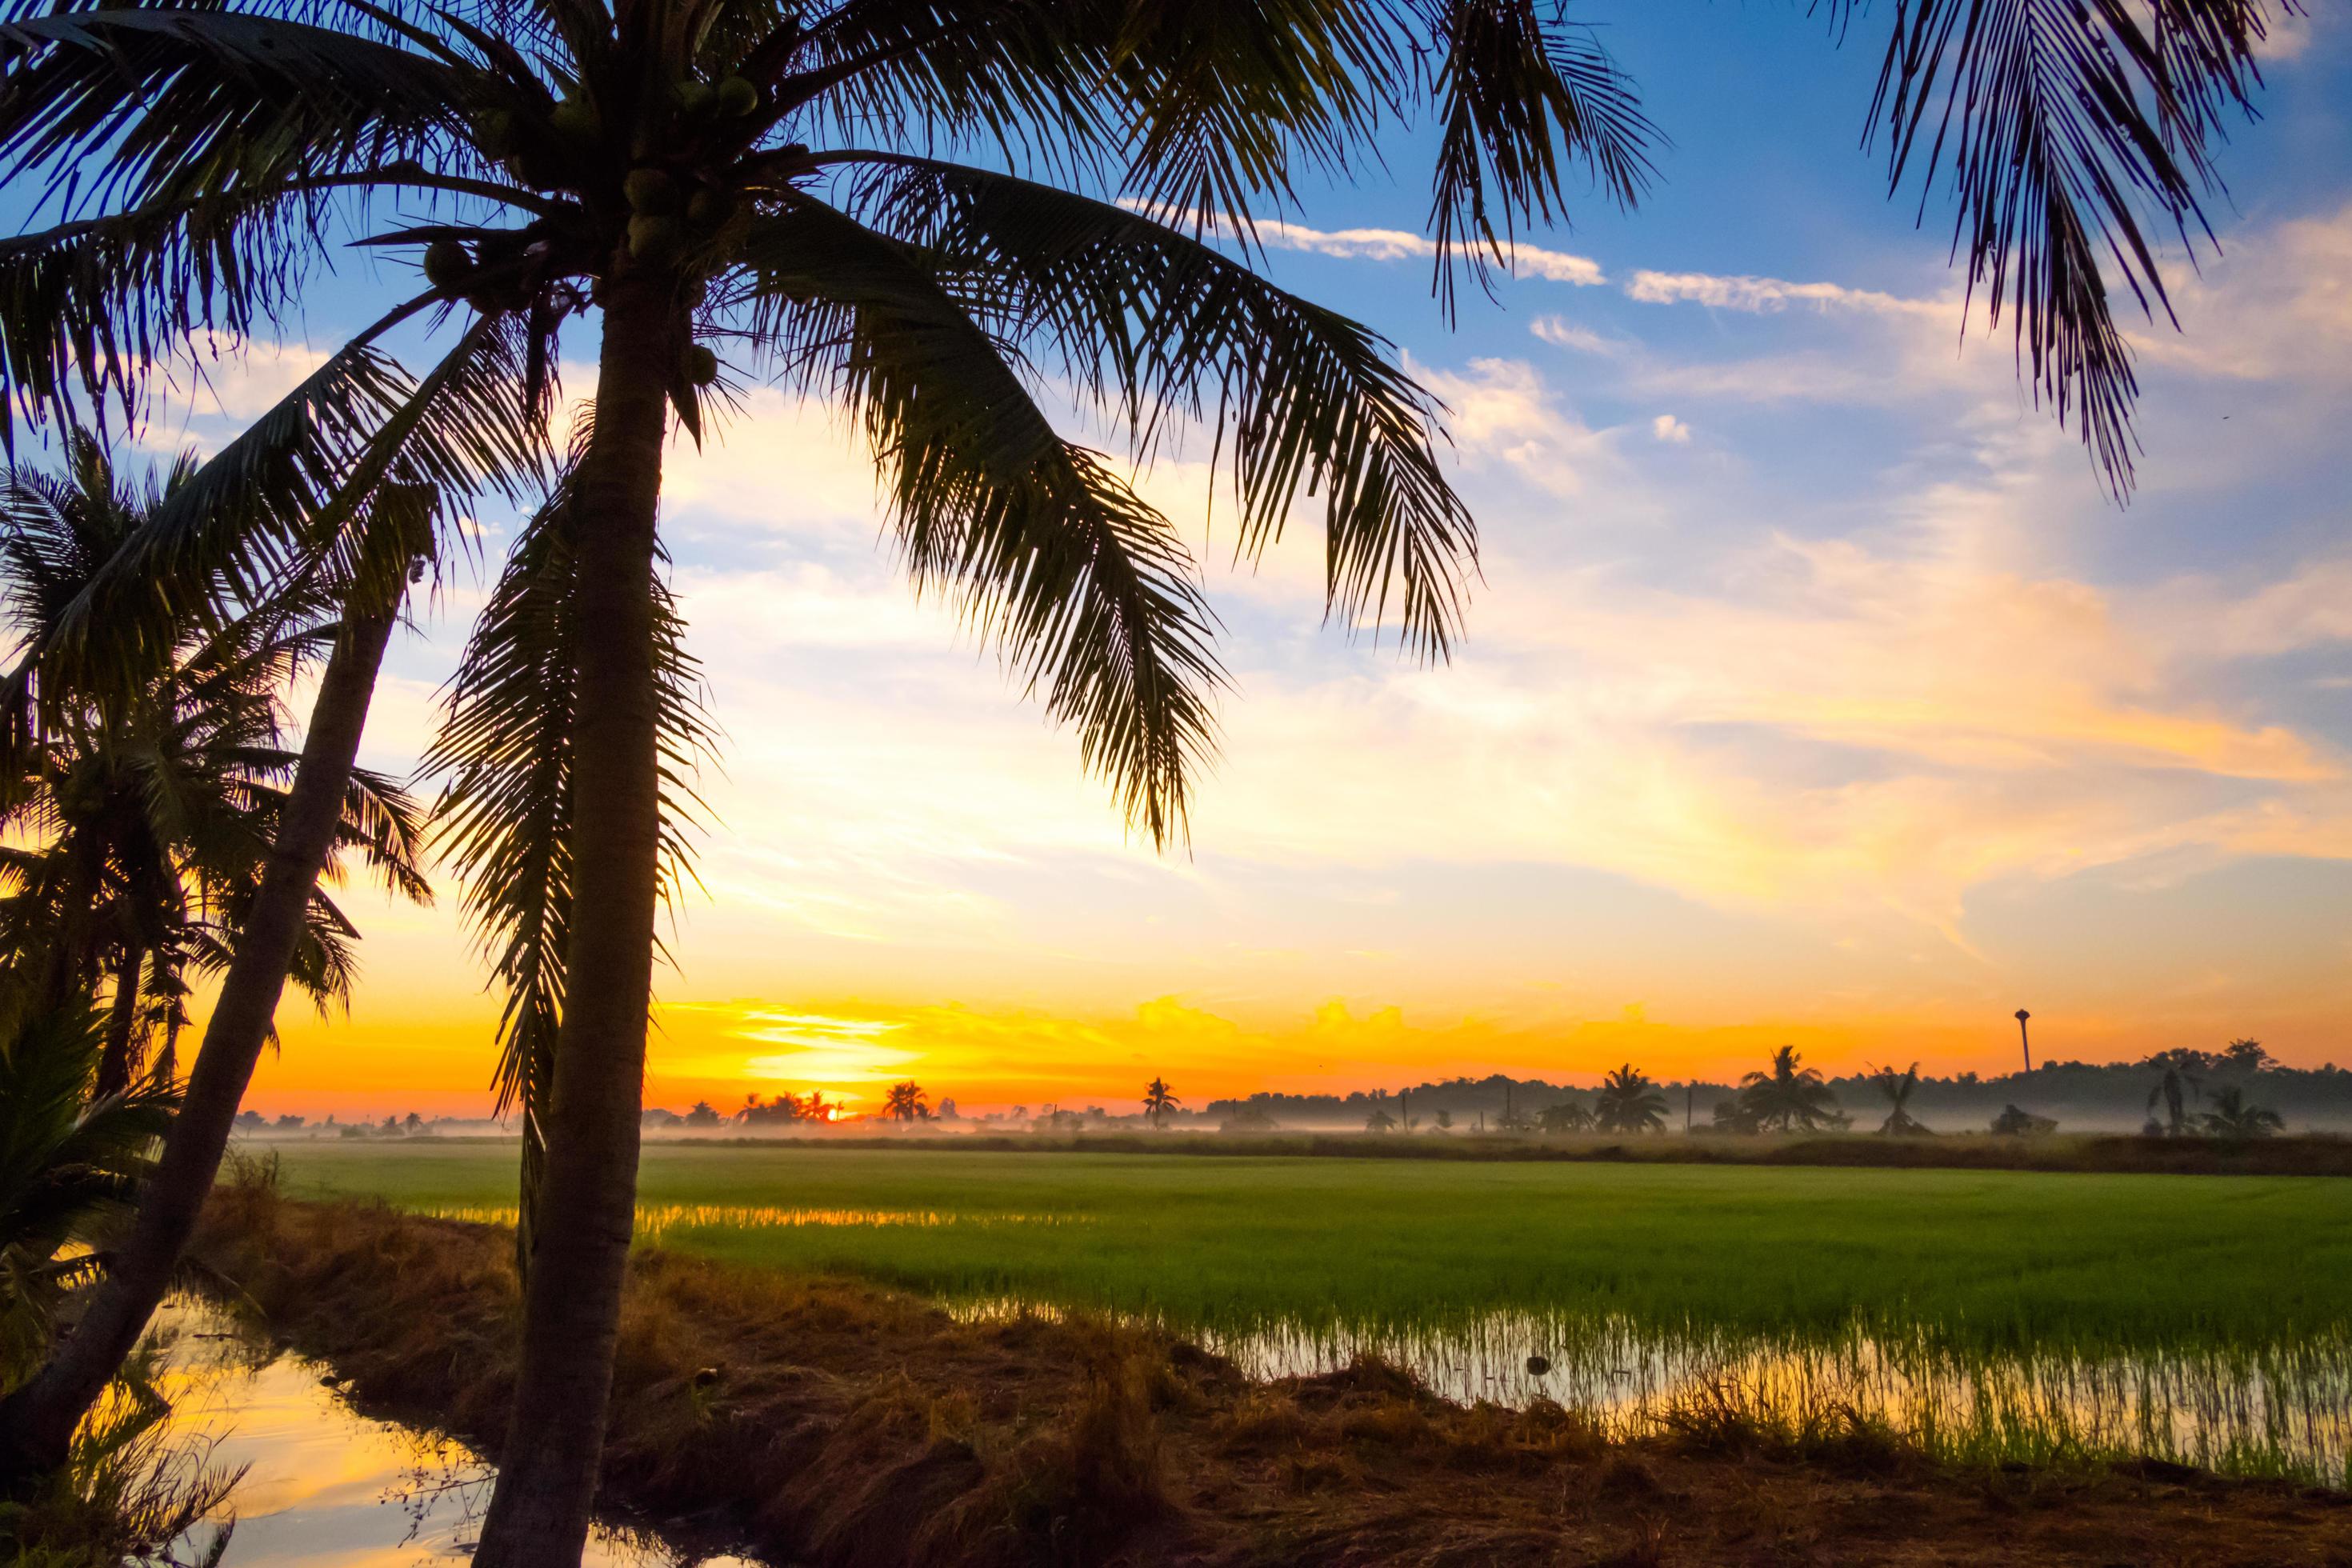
<point>2320,1154</point>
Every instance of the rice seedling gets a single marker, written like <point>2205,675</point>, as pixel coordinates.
<point>1987,1316</point>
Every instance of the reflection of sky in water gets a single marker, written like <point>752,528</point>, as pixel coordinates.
<point>326,1487</point>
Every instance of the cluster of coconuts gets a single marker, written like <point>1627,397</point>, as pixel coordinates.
<point>665,217</point>
<point>534,153</point>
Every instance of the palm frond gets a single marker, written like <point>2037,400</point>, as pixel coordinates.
<point>1520,95</point>
<point>1081,585</point>
<point>1301,398</point>
<point>2066,126</point>
<point>503,818</point>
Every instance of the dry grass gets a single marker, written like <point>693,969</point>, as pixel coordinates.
<point>835,1423</point>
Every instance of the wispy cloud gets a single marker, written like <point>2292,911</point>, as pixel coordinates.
<point>1768,294</point>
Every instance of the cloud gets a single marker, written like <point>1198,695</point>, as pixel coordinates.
<point>1666,427</point>
<point>1560,332</point>
<point>1398,244</point>
<point>1389,245</point>
<point>1763,295</point>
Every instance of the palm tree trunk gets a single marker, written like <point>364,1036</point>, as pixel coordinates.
<point>587,1205</point>
<point>121,1023</point>
<point>38,1420</point>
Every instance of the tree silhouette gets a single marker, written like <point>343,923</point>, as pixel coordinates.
<point>2014,1122</point>
<point>648,164</point>
<point>2232,1117</point>
<point>1379,1121</point>
<point>702,1115</point>
<point>1788,1098</point>
<point>2244,1056</point>
<point>146,788</point>
<point>1898,1088</point>
<point>73,1162</point>
<point>1629,1102</point>
<point>1159,1102</point>
<point>905,1103</point>
<point>2174,1090</point>
<point>1564,1116</point>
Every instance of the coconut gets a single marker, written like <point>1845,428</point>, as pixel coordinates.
<point>576,120</point>
<point>650,191</point>
<point>709,209</point>
<point>494,135</point>
<point>695,98</point>
<point>446,262</point>
<point>738,98</point>
<point>655,239</point>
<point>701,365</point>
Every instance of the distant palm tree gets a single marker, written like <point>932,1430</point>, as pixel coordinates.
<point>1898,1088</point>
<point>1629,1102</point>
<point>1446,1122</point>
<point>1790,1097</point>
<point>1159,1102</point>
<point>906,1102</point>
<point>2231,1117</point>
<point>1567,1116</point>
<point>1379,1121</point>
<point>2178,1086</point>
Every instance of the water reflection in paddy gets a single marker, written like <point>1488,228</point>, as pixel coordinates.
<point>325,1485</point>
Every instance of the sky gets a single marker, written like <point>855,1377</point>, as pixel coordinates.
<point>1813,690</point>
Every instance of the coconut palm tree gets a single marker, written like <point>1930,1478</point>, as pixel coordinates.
<point>1566,1116</point>
<point>2174,1090</point>
<point>329,811</point>
<point>1898,1088</point>
<point>145,807</point>
<point>70,1161</point>
<point>2232,1117</point>
<point>1788,1096</point>
<point>732,172</point>
<point>905,1103</point>
<point>1379,1121</point>
<point>1159,1102</point>
<point>1629,1102</point>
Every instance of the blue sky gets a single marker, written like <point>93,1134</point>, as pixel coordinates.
<point>1814,691</point>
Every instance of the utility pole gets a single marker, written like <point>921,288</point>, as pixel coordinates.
<point>1688,1091</point>
<point>2022,1040</point>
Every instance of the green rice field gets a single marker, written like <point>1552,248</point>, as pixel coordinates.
<point>1988,1314</point>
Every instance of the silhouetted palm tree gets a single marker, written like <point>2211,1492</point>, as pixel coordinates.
<point>1790,1097</point>
<point>1898,1088</point>
<point>1159,1102</point>
<point>70,1161</point>
<point>2174,1090</point>
<point>1379,1121</point>
<point>2231,1117</point>
<point>142,797</point>
<point>1564,1116</point>
<point>906,1102</point>
<point>659,159</point>
<point>1629,1102</point>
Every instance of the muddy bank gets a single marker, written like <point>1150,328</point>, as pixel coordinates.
<point>828,1421</point>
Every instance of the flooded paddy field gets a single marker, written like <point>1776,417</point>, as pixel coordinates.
<point>1986,1315</point>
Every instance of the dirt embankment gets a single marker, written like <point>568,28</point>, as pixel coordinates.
<point>831,1423</point>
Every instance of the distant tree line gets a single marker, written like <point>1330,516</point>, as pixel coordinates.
<point>2239,1089</point>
